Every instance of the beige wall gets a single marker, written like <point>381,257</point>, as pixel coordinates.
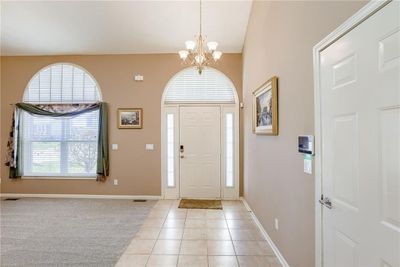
<point>279,41</point>
<point>137,170</point>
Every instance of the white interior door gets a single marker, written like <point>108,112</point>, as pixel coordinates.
<point>360,119</point>
<point>200,159</point>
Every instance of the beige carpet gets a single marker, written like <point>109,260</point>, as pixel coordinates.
<point>200,204</point>
<point>39,232</point>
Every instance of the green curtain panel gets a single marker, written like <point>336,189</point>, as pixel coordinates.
<point>103,160</point>
<point>14,145</point>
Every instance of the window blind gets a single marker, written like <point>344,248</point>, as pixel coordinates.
<point>191,87</point>
<point>62,83</point>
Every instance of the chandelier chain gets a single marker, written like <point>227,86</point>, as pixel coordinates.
<point>200,18</point>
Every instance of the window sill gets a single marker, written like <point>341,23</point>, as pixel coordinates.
<point>58,178</point>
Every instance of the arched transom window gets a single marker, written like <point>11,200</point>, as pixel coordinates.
<point>188,86</point>
<point>62,83</point>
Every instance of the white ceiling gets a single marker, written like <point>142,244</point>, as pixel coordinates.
<point>118,27</point>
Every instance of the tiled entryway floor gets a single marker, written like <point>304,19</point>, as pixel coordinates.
<point>188,237</point>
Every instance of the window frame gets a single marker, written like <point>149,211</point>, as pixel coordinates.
<point>63,142</point>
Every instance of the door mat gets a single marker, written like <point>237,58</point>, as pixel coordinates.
<point>200,204</point>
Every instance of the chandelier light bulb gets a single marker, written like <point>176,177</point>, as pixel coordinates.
<point>190,45</point>
<point>212,46</point>
<point>217,55</point>
<point>199,59</point>
<point>183,54</point>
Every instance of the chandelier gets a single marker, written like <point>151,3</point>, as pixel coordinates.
<point>197,54</point>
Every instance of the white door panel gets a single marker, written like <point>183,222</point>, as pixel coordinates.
<point>360,119</point>
<point>200,161</point>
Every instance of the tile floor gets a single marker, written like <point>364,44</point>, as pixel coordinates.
<point>195,238</point>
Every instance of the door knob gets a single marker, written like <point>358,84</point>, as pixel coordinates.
<point>325,201</point>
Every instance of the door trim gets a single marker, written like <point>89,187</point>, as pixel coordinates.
<point>227,193</point>
<point>364,13</point>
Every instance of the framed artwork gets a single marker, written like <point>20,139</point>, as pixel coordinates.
<point>130,118</point>
<point>265,108</point>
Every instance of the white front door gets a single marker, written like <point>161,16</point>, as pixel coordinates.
<point>200,156</point>
<point>360,119</point>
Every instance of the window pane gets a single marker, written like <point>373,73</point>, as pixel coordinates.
<point>45,80</point>
<point>78,85</point>
<point>60,146</point>
<point>45,157</point>
<point>83,127</point>
<point>82,157</point>
<point>170,151</point>
<point>67,84</point>
<point>229,150</point>
<point>56,84</point>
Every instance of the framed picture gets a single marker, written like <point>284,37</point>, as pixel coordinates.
<point>130,118</point>
<point>265,108</point>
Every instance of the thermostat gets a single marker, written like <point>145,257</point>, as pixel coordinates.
<point>306,144</point>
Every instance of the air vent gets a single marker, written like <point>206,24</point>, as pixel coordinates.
<point>139,200</point>
<point>11,199</point>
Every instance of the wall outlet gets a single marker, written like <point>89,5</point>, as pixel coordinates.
<point>276,224</point>
<point>115,181</point>
<point>114,146</point>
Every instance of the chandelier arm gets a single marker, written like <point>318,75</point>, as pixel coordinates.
<point>209,56</point>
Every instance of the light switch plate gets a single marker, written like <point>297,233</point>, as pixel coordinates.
<point>149,146</point>
<point>308,166</point>
<point>139,78</point>
<point>276,224</point>
<point>114,146</point>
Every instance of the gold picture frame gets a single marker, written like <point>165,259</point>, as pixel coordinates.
<point>265,108</point>
<point>130,118</point>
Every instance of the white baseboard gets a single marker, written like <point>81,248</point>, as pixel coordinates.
<point>17,195</point>
<point>266,236</point>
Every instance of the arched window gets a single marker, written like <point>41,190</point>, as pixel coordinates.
<point>190,87</point>
<point>64,146</point>
<point>62,83</point>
